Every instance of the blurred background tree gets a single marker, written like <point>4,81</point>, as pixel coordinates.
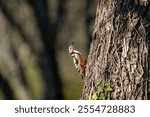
<point>34,40</point>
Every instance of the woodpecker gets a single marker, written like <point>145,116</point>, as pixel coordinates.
<point>78,59</point>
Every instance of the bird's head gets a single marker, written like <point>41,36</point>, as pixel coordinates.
<point>71,48</point>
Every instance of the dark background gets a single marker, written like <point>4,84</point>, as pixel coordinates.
<point>34,40</point>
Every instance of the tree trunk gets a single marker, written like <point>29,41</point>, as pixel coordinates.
<point>49,33</point>
<point>118,66</point>
<point>28,67</point>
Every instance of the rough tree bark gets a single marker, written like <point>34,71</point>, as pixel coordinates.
<point>118,65</point>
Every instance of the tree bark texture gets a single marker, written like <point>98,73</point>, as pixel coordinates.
<point>119,52</point>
